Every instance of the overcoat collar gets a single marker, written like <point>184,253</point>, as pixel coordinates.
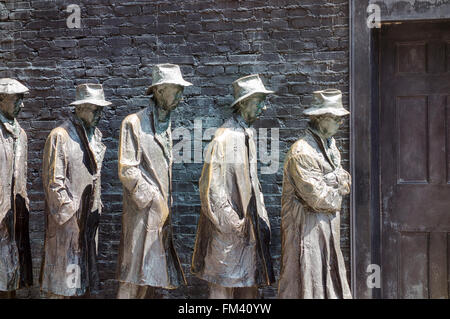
<point>240,120</point>
<point>97,137</point>
<point>10,126</point>
<point>324,145</point>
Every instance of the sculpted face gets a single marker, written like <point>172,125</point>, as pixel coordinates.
<point>11,105</point>
<point>328,124</point>
<point>251,108</point>
<point>168,96</point>
<point>90,114</point>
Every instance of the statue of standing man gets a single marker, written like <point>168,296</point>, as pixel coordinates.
<point>72,164</point>
<point>312,265</point>
<point>147,256</point>
<point>15,253</point>
<point>233,235</point>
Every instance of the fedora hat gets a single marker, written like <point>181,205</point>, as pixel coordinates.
<point>167,74</point>
<point>11,86</point>
<point>247,86</point>
<point>90,93</point>
<point>327,101</point>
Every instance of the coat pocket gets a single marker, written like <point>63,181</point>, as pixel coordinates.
<point>159,211</point>
<point>233,220</point>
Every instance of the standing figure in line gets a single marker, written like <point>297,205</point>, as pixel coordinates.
<point>147,256</point>
<point>314,183</point>
<point>15,253</point>
<point>233,235</point>
<point>72,164</point>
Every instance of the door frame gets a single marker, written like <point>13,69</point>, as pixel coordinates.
<point>365,217</point>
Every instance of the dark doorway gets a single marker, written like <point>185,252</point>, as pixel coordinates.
<point>414,119</point>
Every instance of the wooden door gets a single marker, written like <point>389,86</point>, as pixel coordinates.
<point>415,159</point>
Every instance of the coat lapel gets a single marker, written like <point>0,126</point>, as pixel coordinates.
<point>148,128</point>
<point>91,160</point>
<point>324,148</point>
<point>12,128</point>
<point>159,139</point>
<point>100,150</point>
<point>167,153</point>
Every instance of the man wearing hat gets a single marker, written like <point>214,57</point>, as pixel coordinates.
<point>314,183</point>
<point>73,157</point>
<point>15,253</point>
<point>147,256</point>
<point>233,235</point>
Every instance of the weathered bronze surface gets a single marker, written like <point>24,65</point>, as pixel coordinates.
<point>15,253</point>
<point>313,186</point>
<point>233,235</point>
<point>147,256</point>
<point>72,163</point>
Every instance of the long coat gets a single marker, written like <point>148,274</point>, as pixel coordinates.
<point>233,234</point>
<point>147,255</point>
<point>314,182</point>
<point>71,176</point>
<point>15,253</point>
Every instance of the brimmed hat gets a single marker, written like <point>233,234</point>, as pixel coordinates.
<point>90,93</point>
<point>246,86</point>
<point>11,86</point>
<point>327,101</point>
<point>167,74</point>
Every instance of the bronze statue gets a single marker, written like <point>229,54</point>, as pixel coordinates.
<point>233,235</point>
<point>15,253</point>
<point>72,164</point>
<point>147,256</point>
<point>314,183</point>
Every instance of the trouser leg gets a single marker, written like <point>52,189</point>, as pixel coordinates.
<point>131,291</point>
<point>8,294</point>
<point>87,295</point>
<point>219,292</point>
<point>53,296</point>
<point>246,293</point>
<point>151,292</point>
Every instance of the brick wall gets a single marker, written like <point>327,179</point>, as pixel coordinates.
<point>296,45</point>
